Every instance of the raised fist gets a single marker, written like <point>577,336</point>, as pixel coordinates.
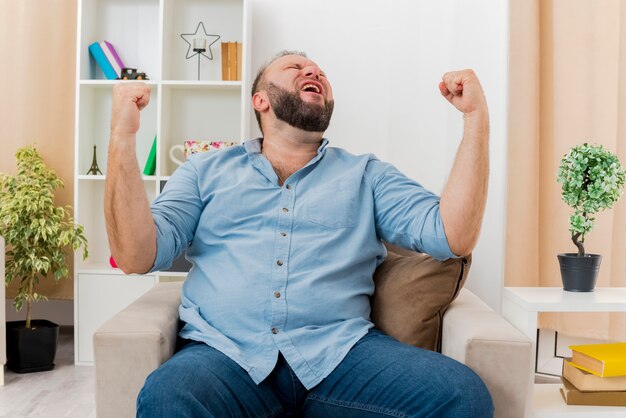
<point>128,100</point>
<point>463,90</point>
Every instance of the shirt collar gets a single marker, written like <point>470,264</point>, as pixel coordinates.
<point>253,146</point>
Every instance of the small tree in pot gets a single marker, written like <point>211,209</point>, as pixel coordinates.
<point>592,180</point>
<point>38,234</point>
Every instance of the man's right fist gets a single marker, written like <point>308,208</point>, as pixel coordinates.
<point>128,100</point>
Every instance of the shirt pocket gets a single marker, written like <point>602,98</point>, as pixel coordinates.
<point>334,206</point>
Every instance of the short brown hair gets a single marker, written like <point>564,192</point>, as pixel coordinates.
<point>258,80</point>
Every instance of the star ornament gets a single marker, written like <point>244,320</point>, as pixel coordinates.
<point>189,37</point>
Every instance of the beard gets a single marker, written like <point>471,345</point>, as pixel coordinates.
<point>290,108</point>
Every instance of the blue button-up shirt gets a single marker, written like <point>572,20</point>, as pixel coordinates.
<point>287,268</point>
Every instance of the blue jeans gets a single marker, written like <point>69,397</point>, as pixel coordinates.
<point>380,377</point>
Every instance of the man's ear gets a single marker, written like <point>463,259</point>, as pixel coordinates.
<point>260,101</point>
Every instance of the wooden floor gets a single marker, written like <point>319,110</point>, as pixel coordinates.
<point>65,391</point>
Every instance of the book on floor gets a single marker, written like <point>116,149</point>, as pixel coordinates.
<point>587,382</point>
<point>573,396</point>
<point>604,360</point>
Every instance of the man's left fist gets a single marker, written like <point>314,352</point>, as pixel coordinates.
<point>463,90</point>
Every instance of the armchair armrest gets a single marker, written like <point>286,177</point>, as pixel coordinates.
<point>129,346</point>
<point>500,354</point>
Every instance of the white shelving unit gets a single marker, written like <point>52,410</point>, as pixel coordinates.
<point>146,35</point>
<point>521,307</point>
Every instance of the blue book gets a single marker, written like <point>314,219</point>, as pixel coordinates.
<point>102,61</point>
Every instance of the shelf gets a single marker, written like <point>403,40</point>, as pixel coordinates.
<point>94,122</point>
<point>99,268</point>
<point>131,26</point>
<point>521,306</point>
<point>89,212</point>
<point>220,17</point>
<point>181,84</point>
<point>111,83</point>
<point>146,36</point>
<point>173,83</point>
<point>89,177</point>
<point>99,296</point>
<point>555,299</point>
<point>173,273</point>
<point>197,113</point>
<point>548,403</point>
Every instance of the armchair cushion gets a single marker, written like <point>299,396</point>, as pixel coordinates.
<point>413,291</point>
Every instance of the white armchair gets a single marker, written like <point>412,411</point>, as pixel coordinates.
<point>141,337</point>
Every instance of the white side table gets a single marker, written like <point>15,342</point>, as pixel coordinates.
<point>521,307</point>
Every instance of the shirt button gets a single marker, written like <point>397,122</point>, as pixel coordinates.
<point>274,330</point>
<point>279,262</point>
<point>277,294</point>
<point>283,234</point>
<point>288,186</point>
<point>285,210</point>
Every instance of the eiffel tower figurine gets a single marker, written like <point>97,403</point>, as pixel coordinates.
<point>94,164</point>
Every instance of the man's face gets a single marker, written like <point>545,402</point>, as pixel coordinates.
<point>299,93</point>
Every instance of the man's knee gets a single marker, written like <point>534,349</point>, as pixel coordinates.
<point>183,386</point>
<point>453,390</point>
<point>467,396</point>
<point>160,396</point>
<point>209,386</point>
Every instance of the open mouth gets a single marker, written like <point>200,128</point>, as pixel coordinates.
<point>311,88</point>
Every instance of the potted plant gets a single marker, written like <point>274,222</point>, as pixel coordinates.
<point>592,179</point>
<point>38,234</point>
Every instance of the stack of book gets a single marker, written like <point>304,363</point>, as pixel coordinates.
<point>231,61</point>
<point>109,62</point>
<point>596,375</point>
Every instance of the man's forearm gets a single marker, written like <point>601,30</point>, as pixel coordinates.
<point>464,198</point>
<point>130,226</point>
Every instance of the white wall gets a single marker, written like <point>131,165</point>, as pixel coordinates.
<point>385,60</point>
<point>60,312</point>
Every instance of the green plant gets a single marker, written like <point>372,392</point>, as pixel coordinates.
<point>592,179</point>
<point>37,232</point>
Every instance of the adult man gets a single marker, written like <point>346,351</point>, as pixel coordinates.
<point>285,233</point>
